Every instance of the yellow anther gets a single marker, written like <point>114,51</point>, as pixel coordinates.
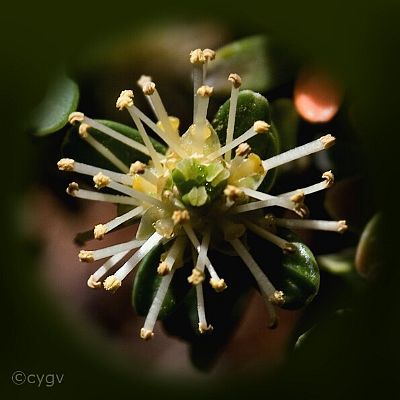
<point>99,231</point>
<point>124,100</point>
<point>261,127</point>
<point>86,256</point>
<point>100,180</point>
<point>146,334</point>
<point>92,283</point>
<point>205,91</point>
<point>72,188</point>
<point>112,283</point>
<point>235,79</point>
<point>75,116</point>
<point>197,277</point>
<point>218,284</point>
<point>66,164</point>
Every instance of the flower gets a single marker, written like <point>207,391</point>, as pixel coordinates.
<point>191,196</point>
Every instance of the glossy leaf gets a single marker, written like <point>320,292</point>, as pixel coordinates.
<point>52,113</point>
<point>338,263</point>
<point>296,274</point>
<point>251,107</point>
<point>262,63</point>
<point>79,150</point>
<point>147,281</point>
<point>368,259</point>
<point>223,312</point>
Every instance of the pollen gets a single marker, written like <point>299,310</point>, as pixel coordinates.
<point>137,168</point>
<point>205,91</point>
<point>146,334</point>
<point>99,231</point>
<point>329,178</point>
<point>83,130</point>
<point>125,100</point>
<point>197,57</point>
<point>163,269</point>
<point>342,226</point>
<point>236,80</point>
<point>180,216</point>
<point>203,328</point>
<point>72,188</point>
<point>233,193</point>
<point>75,117</point>
<point>209,54</point>
<point>66,164</point>
<point>277,298</point>
<point>243,150</point>
<point>112,283</point>
<point>218,284</point>
<point>100,180</point>
<point>86,256</point>
<point>197,277</point>
<point>149,88</point>
<point>327,141</point>
<point>93,283</point>
<point>261,127</point>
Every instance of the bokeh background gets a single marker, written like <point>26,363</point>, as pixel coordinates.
<point>355,357</point>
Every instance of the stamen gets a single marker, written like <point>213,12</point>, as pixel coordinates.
<point>146,335</point>
<point>322,143</point>
<point>233,193</point>
<point>266,200</point>
<point>100,230</point>
<point>151,318</point>
<point>196,277</point>
<point>100,180</point>
<point>180,217</point>
<point>258,127</point>
<point>326,183</point>
<point>112,283</point>
<point>92,283</point>
<point>94,255</point>
<point>263,282</point>
<point>117,136</point>
<point>243,150</point>
<point>175,252</point>
<point>110,263</point>
<point>214,276</point>
<point>203,326</point>
<point>172,141</point>
<point>236,82</point>
<point>136,194</point>
<point>68,164</point>
<point>335,226</point>
<point>153,154</point>
<point>74,190</point>
<point>152,242</point>
<point>200,118</point>
<point>150,90</point>
<point>75,117</point>
<point>197,59</point>
<point>283,244</point>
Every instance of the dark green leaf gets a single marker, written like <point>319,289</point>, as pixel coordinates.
<point>296,273</point>
<point>147,281</point>
<point>251,107</point>
<point>52,113</point>
<point>368,260</point>
<point>223,312</point>
<point>260,61</point>
<point>79,150</point>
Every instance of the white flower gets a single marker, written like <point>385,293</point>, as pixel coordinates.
<point>163,191</point>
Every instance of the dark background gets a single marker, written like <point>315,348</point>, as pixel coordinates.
<point>356,358</point>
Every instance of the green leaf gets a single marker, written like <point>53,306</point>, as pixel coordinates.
<point>251,107</point>
<point>52,113</point>
<point>295,273</point>
<point>147,282</point>
<point>223,312</point>
<point>81,151</point>
<point>368,259</point>
<point>261,62</point>
<point>338,263</point>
